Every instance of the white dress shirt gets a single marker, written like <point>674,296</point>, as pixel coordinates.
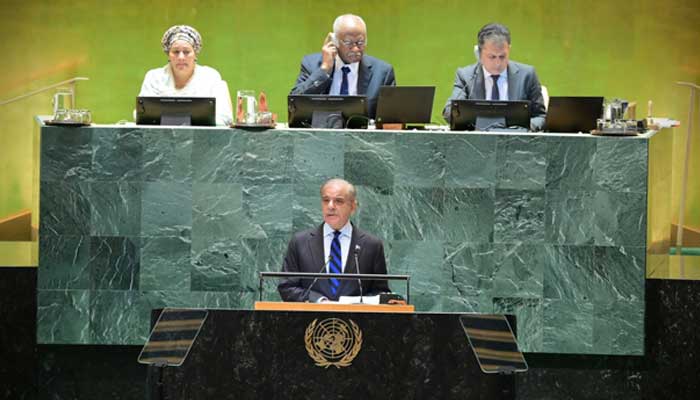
<point>338,77</point>
<point>502,84</point>
<point>345,236</point>
<point>205,82</point>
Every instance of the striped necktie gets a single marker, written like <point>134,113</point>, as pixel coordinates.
<point>336,264</point>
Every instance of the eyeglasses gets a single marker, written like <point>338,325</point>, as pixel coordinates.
<point>350,43</point>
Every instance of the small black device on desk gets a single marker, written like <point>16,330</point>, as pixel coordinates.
<point>487,115</point>
<point>196,111</point>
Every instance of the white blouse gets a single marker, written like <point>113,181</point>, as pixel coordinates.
<point>205,82</point>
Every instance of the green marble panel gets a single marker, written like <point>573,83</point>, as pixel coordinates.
<point>529,320</point>
<point>369,161</point>
<point>167,155</point>
<point>218,265</point>
<point>165,264</point>
<point>568,326</point>
<point>518,270</point>
<point>318,156</point>
<point>375,212</point>
<point>66,154</point>
<point>64,262</point>
<point>420,160</point>
<point>238,156</point>
<point>166,209</point>
<point>117,154</point>
<point>115,262</point>
<point>521,161</point>
<point>568,164</point>
<point>217,212</point>
<point>419,213</point>
<point>618,274</point>
<point>431,278</point>
<point>63,317</point>
<point>269,208</point>
<point>472,268</point>
<point>468,215</point>
<point>306,206</point>
<point>619,219</point>
<point>470,161</point>
<point>65,208</point>
<point>611,327</point>
<point>569,273</point>
<point>620,165</point>
<point>568,217</point>
<point>118,317</point>
<point>519,216</point>
<point>115,209</point>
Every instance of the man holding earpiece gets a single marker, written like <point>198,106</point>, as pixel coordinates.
<point>495,77</point>
<point>342,68</point>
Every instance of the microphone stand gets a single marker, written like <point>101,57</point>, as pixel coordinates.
<point>308,289</point>
<point>357,269</point>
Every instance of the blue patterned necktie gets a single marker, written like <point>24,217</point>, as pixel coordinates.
<point>344,82</point>
<point>494,92</point>
<point>336,264</point>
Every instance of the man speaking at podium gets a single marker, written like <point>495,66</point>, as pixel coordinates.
<point>333,247</point>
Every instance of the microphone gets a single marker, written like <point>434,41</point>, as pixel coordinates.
<point>308,289</point>
<point>357,267</point>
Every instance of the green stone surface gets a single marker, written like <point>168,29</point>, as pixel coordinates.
<point>550,228</point>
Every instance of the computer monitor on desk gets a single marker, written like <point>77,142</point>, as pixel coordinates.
<point>324,111</point>
<point>198,111</point>
<point>486,115</point>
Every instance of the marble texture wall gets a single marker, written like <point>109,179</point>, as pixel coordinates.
<point>551,228</point>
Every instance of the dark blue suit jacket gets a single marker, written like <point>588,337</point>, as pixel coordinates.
<point>305,254</point>
<point>523,84</point>
<point>372,74</point>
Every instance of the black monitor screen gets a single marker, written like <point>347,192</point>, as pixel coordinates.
<point>301,109</point>
<point>489,115</point>
<point>200,111</point>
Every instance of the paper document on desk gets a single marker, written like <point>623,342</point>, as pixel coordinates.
<point>356,300</point>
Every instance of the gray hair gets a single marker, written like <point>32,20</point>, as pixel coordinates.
<point>493,32</point>
<point>343,18</point>
<point>351,188</point>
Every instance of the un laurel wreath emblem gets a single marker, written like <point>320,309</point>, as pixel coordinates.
<point>333,341</point>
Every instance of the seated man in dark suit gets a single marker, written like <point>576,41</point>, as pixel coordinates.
<point>513,80</point>
<point>342,68</point>
<point>332,247</point>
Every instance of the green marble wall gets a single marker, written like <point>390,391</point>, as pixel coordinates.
<point>551,228</point>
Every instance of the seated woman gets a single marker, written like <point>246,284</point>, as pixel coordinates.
<point>182,77</point>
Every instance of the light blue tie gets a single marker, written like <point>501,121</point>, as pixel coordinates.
<point>336,264</point>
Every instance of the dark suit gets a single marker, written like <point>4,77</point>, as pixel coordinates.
<point>305,254</point>
<point>523,84</point>
<point>371,75</point>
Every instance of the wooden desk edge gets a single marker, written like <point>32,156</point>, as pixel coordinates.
<point>332,307</point>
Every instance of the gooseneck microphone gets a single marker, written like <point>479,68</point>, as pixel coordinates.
<point>308,289</point>
<point>357,268</point>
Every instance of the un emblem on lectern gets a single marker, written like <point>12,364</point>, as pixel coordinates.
<point>333,342</point>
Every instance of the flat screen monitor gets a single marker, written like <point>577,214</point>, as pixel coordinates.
<point>352,110</point>
<point>199,111</point>
<point>569,114</point>
<point>486,115</point>
<point>405,104</point>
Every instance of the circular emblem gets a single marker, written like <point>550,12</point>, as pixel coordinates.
<point>333,342</point>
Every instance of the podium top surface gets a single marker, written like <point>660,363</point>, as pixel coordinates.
<point>332,307</point>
